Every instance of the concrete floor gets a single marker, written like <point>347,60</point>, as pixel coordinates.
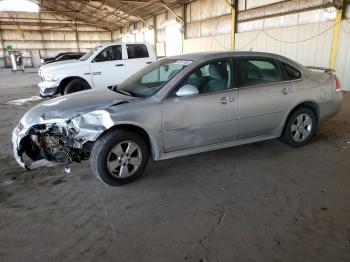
<point>258,202</point>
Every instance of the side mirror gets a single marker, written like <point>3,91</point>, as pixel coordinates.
<point>187,90</point>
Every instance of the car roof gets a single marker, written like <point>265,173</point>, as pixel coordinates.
<point>210,55</point>
<point>221,54</point>
<point>126,43</point>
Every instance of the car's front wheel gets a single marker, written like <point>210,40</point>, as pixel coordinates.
<point>300,127</point>
<point>119,157</point>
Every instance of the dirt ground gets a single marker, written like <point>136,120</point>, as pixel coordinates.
<point>259,202</point>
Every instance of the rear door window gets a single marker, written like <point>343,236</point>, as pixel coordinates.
<point>291,72</point>
<point>137,51</point>
<point>258,71</point>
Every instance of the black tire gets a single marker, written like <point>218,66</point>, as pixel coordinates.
<point>75,85</point>
<point>102,149</point>
<point>289,136</point>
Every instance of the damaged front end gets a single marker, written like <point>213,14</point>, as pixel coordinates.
<point>48,145</point>
<point>64,129</point>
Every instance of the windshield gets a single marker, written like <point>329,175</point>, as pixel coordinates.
<point>152,78</point>
<point>90,53</point>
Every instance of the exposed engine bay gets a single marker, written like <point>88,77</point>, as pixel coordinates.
<point>53,142</point>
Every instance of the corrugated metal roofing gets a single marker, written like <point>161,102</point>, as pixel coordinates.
<point>109,14</point>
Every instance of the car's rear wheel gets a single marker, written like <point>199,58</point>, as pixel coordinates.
<point>300,127</point>
<point>119,157</point>
<point>75,85</point>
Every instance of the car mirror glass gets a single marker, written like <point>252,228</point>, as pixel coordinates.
<point>187,90</point>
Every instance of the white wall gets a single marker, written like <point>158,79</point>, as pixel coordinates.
<point>139,32</point>
<point>308,44</point>
<point>257,3</point>
<point>211,43</point>
<point>343,55</point>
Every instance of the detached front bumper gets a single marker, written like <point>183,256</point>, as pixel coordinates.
<point>48,89</point>
<point>16,139</point>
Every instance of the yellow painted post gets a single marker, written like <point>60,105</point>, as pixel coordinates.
<point>336,36</point>
<point>233,23</point>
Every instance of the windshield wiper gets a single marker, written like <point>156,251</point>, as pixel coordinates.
<point>115,89</point>
<point>123,92</point>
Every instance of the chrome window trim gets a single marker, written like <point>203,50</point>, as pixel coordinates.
<point>273,83</point>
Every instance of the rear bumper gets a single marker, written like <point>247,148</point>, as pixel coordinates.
<point>48,89</point>
<point>331,108</point>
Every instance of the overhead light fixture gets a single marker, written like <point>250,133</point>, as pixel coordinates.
<point>19,6</point>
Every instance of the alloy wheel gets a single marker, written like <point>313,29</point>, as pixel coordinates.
<point>301,127</point>
<point>124,159</point>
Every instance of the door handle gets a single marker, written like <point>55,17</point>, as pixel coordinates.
<point>148,63</point>
<point>119,65</point>
<point>286,91</point>
<point>225,100</point>
<point>96,73</point>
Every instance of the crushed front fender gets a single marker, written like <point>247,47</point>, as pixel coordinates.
<point>16,139</point>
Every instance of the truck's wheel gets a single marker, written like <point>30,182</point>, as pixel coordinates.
<point>119,157</point>
<point>75,85</point>
<point>300,127</point>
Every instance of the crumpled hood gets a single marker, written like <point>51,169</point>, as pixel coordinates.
<point>70,106</point>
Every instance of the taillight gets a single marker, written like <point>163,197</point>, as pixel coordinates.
<point>337,84</point>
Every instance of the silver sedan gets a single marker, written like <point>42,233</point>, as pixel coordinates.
<point>179,106</point>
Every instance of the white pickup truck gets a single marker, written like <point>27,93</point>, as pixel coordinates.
<point>103,66</point>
